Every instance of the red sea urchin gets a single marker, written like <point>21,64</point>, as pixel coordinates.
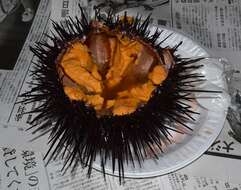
<point>108,88</point>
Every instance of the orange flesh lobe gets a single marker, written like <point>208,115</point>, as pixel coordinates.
<point>110,72</point>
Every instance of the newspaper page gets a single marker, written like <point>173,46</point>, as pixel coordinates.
<point>198,175</point>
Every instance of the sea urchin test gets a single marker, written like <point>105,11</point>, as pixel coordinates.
<point>108,88</point>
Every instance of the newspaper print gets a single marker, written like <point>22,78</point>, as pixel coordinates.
<point>215,24</point>
<point>23,170</point>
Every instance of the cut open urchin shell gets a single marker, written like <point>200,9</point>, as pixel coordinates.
<point>107,87</point>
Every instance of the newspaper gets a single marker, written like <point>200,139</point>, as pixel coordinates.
<point>213,24</point>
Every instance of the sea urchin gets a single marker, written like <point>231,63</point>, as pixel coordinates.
<point>107,87</point>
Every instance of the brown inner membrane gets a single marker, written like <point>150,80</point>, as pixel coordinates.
<point>110,71</point>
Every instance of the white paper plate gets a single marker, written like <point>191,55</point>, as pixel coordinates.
<point>208,124</point>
